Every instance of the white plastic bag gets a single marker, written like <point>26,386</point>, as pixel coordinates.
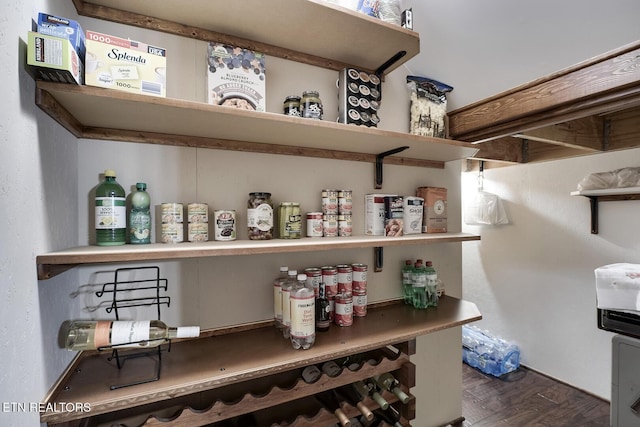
<point>619,178</point>
<point>485,209</point>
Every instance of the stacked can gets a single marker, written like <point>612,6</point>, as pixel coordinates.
<point>343,301</point>
<point>329,276</point>
<point>172,222</point>
<point>359,289</point>
<point>314,278</point>
<point>198,226</point>
<point>330,213</point>
<point>345,208</point>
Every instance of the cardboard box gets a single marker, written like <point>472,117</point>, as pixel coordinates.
<point>53,59</point>
<point>57,26</point>
<point>127,65</point>
<point>374,214</point>
<point>393,216</point>
<point>413,214</point>
<point>435,209</point>
<point>235,77</point>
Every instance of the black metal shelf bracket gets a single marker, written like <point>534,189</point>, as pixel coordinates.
<point>594,214</point>
<point>379,160</point>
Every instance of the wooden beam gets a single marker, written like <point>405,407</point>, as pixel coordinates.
<point>625,129</point>
<point>582,134</point>
<point>501,150</point>
<point>602,84</point>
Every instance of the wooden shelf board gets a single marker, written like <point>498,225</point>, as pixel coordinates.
<point>93,112</point>
<point>162,251</point>
<point>207,363</point>
<point>286,28</point>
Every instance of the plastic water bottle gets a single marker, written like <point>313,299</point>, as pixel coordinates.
<point>140,215</point>
<point>277,296</point>
<point>285,290</point>
<point>491,355</point>
<point>432,285</point>
<point>407,289</point>
<point>419,285</point>
<point>303,314</point>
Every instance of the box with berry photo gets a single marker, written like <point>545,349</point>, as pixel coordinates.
<point>235,77</point>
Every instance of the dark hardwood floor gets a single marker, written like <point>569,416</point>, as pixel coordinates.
<point>526,398</point>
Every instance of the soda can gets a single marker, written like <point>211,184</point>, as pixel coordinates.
<point>359,304</point>
<point>359,277</point>
<point>343,315</point>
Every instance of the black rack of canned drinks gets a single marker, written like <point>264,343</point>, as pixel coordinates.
<point>143,292</point>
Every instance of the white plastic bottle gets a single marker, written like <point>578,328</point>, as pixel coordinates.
<point>303,314</point>
<point>285,291</point>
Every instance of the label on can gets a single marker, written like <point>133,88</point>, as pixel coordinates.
<point>345,226</point>
<point>314,224</point>
<point>330,280</point>
<point>343,315</point>
<point>172,233</point>
<point>224,225</point>
<point>359,304</point>
<point>359,277</point>
<point>345,202</point>
<point>330,202</point>
<point>330,225</point>
<point>198,212</point>
<point>198,231</point>
<point>314,278</point>
<point>171,213</point>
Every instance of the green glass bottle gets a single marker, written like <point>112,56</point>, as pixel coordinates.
<point>111,212</point>
<point>140,216</point>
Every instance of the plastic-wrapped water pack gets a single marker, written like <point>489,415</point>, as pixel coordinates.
<point>491,355</point>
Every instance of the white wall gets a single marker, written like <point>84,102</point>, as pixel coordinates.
<point>533,280</point>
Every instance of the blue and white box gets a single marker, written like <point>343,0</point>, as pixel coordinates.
<point>65,28</point>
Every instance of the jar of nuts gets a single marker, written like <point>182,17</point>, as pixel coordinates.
<point>260,216</point>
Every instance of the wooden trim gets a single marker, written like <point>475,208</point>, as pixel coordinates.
<point>604,83</point>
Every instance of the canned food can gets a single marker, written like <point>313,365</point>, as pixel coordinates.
<point>359,304</point>
<point>198,212</point>
<point>224,225</point>
<point>314,224</point>
<point>345,202</point>
<point>171,213</point>
<point>359,277</point>
<point>345,274</point>
<point>330,202</point>
<point>172,232</point>
<point>330,225</point>
<point>314,278</point>
<point>198,231</point>
<point>343,315</point>
<point>345,225</point>
<point>330,280</point>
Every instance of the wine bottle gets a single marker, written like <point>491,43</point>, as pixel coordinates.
<point>329,400</point>
<point>388,382</point>
<point>366,389</point>
<point>323,310</point>
<point>91,335</point>
<point>390,416</point>
<point>349,394</point>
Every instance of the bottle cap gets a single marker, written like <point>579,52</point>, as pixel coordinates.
<point>109,172</point>
<point>302,277</point>
<point>188,331</point>
<point>141,186</point>
<point>292,273</point>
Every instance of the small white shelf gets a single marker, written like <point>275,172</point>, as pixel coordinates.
<point>606,195</point>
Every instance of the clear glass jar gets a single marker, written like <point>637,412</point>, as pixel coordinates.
<point>291,106</point>
<point>311,105</point>
<point>290,220</point>
<point>260,216</point>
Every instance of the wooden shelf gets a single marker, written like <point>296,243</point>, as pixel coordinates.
<point>209,363</point>
<point>606,195</point>
<point>591,107</point>
<point>56,262</point>
<point>292,29</point>
<point>98,113</point>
